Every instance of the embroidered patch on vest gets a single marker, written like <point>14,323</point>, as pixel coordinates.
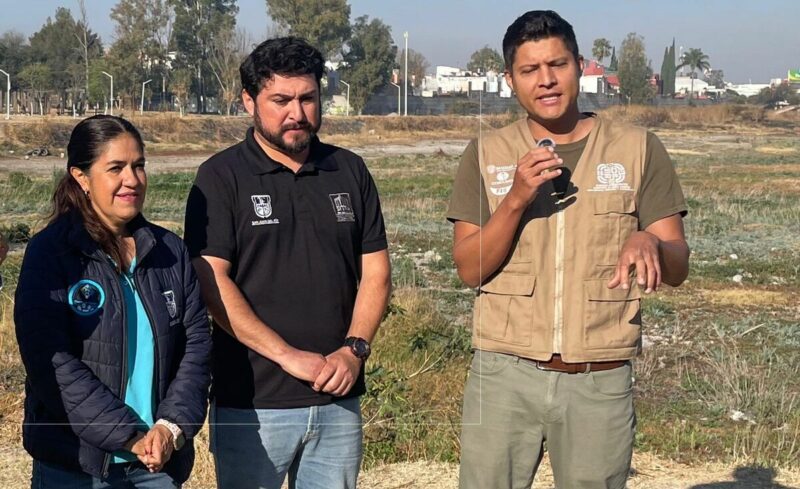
<point>610,177</point>
<point>172,308</point>
<point>343,207</point>
<point>501,178</point>
<point>86,297</point>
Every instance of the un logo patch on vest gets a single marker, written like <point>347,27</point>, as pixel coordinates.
<point>610,177</point>
<point>86,297</point>
<point>502,177</point>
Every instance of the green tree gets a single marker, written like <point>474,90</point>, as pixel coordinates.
<point>613,64</point>
<point>486,59</point>
<point>14,54</point>
<point>139,52</point>
<point>197,24</point>
<point>37,78</point>
<point>634,70</point>
<point>668,70</point>
<point>779,93</point>
<point>369,60</point>
<point>694,59</point>
<point>715,78</point>
<point>601,49</point>
<point>672,71</point>
<point>57,44</point>
<point>417,66</point>
<point>325,24</point>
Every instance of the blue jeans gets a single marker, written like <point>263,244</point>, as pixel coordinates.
<point>317,446</point>
<point>120,476</point>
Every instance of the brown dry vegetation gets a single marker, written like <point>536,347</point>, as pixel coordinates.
<point>171,133</point>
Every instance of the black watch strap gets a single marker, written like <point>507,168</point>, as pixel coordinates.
<point>359,347</point>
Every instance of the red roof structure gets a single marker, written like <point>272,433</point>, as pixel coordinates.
<point>594,69</point>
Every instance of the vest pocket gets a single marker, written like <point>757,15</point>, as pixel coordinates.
<point>504,309</point>
<point>614,220</point>
<point>611,317</point>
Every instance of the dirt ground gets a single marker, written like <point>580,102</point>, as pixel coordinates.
<point>168,162</point>
<point>648,472</point>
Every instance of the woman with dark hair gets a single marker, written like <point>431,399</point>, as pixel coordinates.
<point>111,328</point>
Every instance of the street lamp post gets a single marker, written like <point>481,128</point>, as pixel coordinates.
<point>347,108</point>
<point>405,75</point>
<point>141,106</point>
<point>398,96</point>
<point>111,108</point>
<point>8,94</point>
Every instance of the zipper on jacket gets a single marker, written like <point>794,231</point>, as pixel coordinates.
<point>558,306</point>
<point>124,369</point>
<point>156,373</point>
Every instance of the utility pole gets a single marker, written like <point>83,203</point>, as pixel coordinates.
<point>405,76</point>
<point>347,109</point>
<point>111,108</point>
<point>8,94</point>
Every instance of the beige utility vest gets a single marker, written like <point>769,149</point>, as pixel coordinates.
<point>550,294</point>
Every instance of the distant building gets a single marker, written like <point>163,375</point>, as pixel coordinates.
<point>596,80</point>
<point>455,81</point>
<point>683,85</point>
<point>747,89</point>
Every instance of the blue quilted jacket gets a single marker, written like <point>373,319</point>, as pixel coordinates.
<point>70,325</point>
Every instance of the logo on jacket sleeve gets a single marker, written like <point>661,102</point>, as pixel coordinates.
<point>610,177</point>
<point>86,297</point>
<point>172,308</point>
<point>262,205</point>
<point>343,207</point>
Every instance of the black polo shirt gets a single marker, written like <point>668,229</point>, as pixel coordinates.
<point>295,243</point>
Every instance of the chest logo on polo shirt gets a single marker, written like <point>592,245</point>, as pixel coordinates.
<point>343,207</point>
<point>610,178</point>
<point>262,205</point>
<point>501,178</point>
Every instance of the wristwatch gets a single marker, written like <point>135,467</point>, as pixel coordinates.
<point>359,346</point>
<point>177,433</point>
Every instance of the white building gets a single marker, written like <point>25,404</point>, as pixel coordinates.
<point>449,80</point>
<point>683,84</point>
<point>747,89</point>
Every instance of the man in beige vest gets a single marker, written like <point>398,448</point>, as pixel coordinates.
<point>551,237</point>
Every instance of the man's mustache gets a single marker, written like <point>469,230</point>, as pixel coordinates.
<point>293,127</point>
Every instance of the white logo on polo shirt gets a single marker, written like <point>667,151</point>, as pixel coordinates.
<point>262,205</point>
<point>610,177</point>
<point>342,207</point>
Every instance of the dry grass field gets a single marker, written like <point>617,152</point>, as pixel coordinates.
<point>717,387</point>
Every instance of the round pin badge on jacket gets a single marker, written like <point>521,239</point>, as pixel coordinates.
<point>86,297</point>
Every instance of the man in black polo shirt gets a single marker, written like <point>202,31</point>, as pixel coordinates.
<point>288,240</point>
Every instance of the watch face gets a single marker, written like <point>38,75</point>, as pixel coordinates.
<point>360,347</point>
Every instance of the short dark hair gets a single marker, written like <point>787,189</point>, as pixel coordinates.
<point>534,26</point>
<point>285,56</point>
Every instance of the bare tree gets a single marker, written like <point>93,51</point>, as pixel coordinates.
<point>227,52</point>
<point>83,40</point>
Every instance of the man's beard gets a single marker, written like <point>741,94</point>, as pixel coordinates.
<point>276,138</point>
